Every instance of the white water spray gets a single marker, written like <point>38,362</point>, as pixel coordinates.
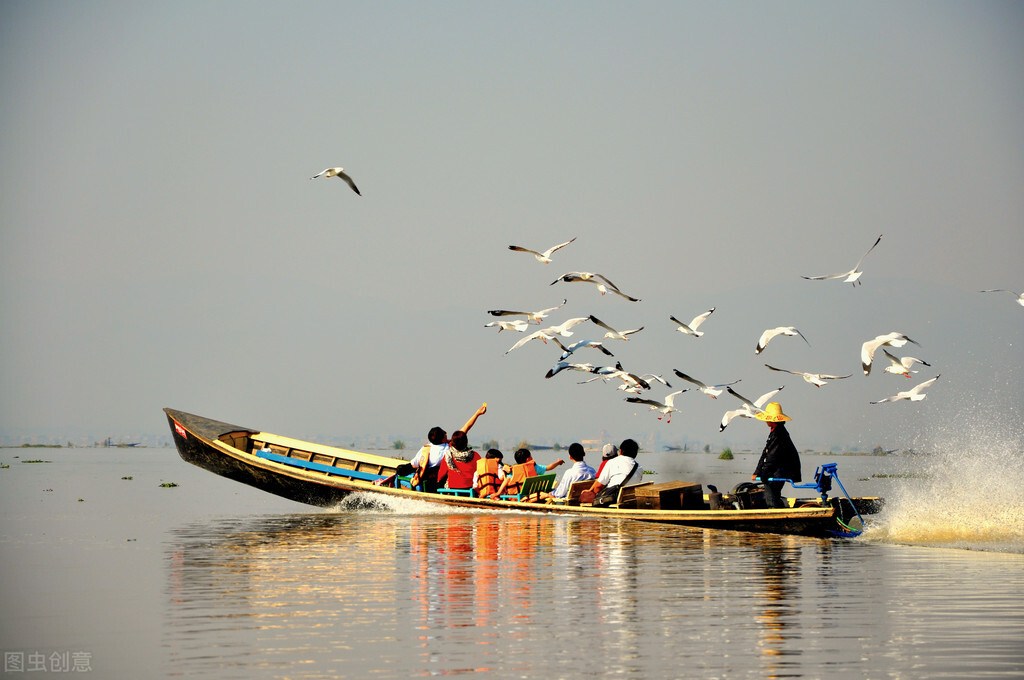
<point>966,492</point>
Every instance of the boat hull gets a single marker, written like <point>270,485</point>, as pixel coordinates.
<point>231,451</point>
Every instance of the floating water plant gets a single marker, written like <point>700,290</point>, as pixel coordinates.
<point>126,478</point>
<point>168,485</point>
<point>37,460</point>
<point>726,454</point>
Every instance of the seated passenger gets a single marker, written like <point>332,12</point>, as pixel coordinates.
<point>459,463</point>
<point>427,460</point>
<point>489,474</point>
<point>525,467</point>
<point>607,453</point>
<point>619,471</point>
<point>579,472</point>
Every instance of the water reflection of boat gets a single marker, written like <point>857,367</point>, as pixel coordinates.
<point>324,476</point>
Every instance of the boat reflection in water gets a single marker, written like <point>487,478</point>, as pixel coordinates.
<point>343,593</point>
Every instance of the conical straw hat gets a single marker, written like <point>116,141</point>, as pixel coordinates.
<point>772,413</point>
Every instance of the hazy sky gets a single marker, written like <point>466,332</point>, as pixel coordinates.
<point>163,245</point>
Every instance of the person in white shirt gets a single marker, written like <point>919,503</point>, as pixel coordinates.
<point>620,469</point>
<point>579,472</point>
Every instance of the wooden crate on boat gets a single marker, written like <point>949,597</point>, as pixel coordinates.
<point>671,496</point>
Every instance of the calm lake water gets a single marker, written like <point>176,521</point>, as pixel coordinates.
<point>212,579</point>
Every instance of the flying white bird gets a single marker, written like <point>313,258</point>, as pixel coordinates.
<point>567,351</point>
<point>563,328</point>
<point>867,350</point>
<point>590,277</point>
<point>1020,296</point>
<point>530,316</point>
<point>816,379</point>
<point>901,365</point>
<point>852,275</point>
<point>517,325</point>
<point>767,336</point>
<point>613,334</point>
<point>666,407</point>
<point>649,377</point>
<point>340,174</point>
<point>563,365</point>
<point>536,335</point>
<point>691,328</point>
<point>549,333</point>
<point>711,390</point>
<point>749,408</point>
<point>607,373</point>
<point>544,257</point>
<point>915,393</point>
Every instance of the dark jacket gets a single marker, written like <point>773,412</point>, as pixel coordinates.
<point>779,458</point>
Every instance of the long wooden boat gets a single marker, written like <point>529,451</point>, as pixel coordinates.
<point>324,476</point>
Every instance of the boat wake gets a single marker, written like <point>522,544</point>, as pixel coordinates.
<point>967,492</point>
<point>392,505</point>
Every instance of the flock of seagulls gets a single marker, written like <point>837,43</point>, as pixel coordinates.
<point>639,384</point>
<point>631,382</point>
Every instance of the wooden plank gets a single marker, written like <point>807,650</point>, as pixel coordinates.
<point>346,454</point>
<point>318,467</point>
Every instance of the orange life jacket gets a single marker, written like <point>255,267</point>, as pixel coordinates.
<point>519,473</point>
<point>486,476</point>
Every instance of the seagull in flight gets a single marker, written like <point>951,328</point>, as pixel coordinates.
<point>649,377</point>
<point>1020,296</point>
<point>867,350</point>
<point>604,285</point>
<point>530,316</point>
<point>517,325</point>
<point>563,365</point>
<point>691,328</point>
<point>915,393</point>
<point>340,174</point>
<point>816,379</point>
<point>749,408</point>
<point>853,275</point>
<point>666,408</point>
<point>767,336</point>
<point>901,365</point>
<point>613,334</point>
<point>607,373</point>
<point>544,257</point>
<point>536,335</point>
<point>549,333</point>
<point>567,351</point>
<point>711,390</point>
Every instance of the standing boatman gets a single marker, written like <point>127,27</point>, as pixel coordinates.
<point>780,459</point>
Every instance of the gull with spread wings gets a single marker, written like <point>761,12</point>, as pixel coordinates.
<point>851,276</point>
<point>867,350</point>
<point>544,257</point>
<point>340,174</point>
<point>749,409</point>
<point>816,379</point>
<point>915,393</point>
<point>530,316</point>
<point>613,334</point>
<point>767,336</point>
<point>604,285</point>
<point>691,328</point>
<point>711,390</point>
<point>666,407</point>
<point>901,365</point>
